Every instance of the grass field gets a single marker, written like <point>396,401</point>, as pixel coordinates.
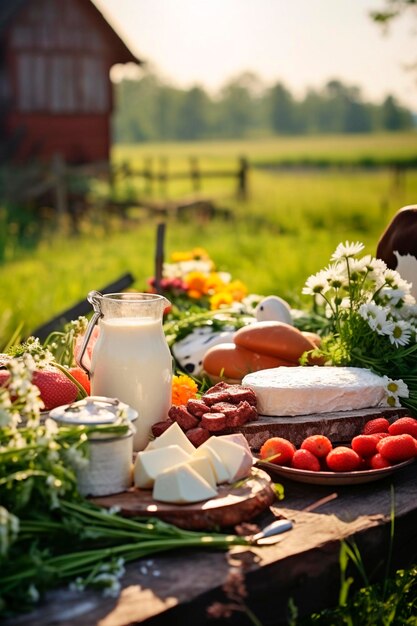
<point>286,230</point>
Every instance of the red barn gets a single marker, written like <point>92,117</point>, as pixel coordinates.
<point>55,89</point>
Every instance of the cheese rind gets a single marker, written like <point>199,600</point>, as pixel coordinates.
<point>182,485</point>
<point>289,391</point>
<point>150,463</point>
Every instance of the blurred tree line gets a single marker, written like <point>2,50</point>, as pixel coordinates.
<point>150,110</point>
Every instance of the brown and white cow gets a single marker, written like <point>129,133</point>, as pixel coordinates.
<point>398,245</point>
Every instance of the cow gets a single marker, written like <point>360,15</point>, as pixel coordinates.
<point>398,245</point>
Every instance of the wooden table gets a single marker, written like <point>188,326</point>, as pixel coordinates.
<point>304,566</point>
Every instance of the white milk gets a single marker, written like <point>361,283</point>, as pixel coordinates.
<point>131,361</point>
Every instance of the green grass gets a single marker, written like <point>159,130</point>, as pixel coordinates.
<point>285,231</point>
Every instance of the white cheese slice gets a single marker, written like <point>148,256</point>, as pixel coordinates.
<point>220,472</point>
<point>236,458</point>
<point>173,436</point>
<point>150,463</point>
<point>203,466</point>
<point>306,390</point>
<point>182,485</point>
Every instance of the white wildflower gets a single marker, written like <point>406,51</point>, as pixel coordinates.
<point>377,318</point>
<point>336,276</point>
<point>33,593</point>
<point>401,333</point>
<point>395,389</point>
<point>347,250</point>
<point>77,584</point>
<point>316,284</point>
<point>75,458</point>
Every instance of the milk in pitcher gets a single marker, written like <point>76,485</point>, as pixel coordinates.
<point>131,360</point>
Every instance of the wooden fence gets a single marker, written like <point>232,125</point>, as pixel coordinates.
<point>65,187</point>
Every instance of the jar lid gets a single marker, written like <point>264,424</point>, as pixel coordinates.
<point>93,410</point>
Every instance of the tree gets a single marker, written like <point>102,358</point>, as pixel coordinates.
<point>192,114</point>
<point>235,110</point>
<point>282,108</point>
<point>394,117</point>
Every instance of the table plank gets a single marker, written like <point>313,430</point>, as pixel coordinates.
<point>177,588</point>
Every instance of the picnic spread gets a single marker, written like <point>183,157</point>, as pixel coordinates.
<point>197,428</point>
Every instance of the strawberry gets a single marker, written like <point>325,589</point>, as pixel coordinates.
<point>404,426</point>
<point>397,448</point>
<point>343,459</point>
<point>55,388</point>
<point>305,460</point>
<point>377,425</point>
<point>81,377</point>
<point>319,445</point>
<point>378,461</point>
<point>278,447</point>
<point>365,445</point>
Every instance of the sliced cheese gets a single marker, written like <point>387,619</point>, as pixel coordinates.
<point>150,463</point>
<point>236,458</point>
<point>220,472</point>
<point>237,438</point>
<point>182,485</point>
<point>173,436</point>
<point>203,466</point>
<point>302,390</point>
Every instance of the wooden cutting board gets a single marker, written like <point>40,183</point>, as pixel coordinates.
<point>234,504</point>
<point>339,427</point>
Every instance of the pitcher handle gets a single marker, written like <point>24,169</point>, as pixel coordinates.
<point>93,297</point>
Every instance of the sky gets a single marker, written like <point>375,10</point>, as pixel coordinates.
<point>302,43</point>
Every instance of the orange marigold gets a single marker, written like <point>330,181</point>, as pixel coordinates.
<point>196,283</point>
<point>183,388</point>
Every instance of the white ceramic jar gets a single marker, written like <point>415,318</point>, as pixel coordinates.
<point>109,465</point>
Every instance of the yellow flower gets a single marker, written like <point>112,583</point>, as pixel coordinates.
<point>237,289</point>
<point>201,254</point>
<point>190,255</point>
<point>178,257</point>
<point>214,283</point>
<point>196,283</point>
<point>222,298</point>
<point>183,388</point>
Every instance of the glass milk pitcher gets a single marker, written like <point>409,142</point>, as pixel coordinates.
<point>131,359</point>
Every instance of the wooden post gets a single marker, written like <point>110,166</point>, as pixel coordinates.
<point>195,174</point>
<point>148,175</point>
<point>242,179</point>
<point>159,256</point>
<point>60,187</point>
<point>163,174</point>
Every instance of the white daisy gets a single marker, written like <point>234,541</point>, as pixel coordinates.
<point>396,387</point>
<point>317,283</point>
<point>347,250</point>
<point>401,333</point>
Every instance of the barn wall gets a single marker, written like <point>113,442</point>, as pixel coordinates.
<point>79,139</point>
<point>55,89</point>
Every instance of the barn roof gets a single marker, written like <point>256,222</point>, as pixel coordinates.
<point>122,54</point>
